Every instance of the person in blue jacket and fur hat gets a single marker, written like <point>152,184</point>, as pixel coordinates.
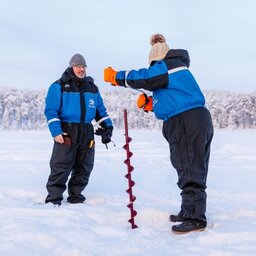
<point>72,103</point>
<point>187,125</point>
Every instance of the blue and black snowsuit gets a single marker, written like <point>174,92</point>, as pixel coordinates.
<point>71,104</point>
<point>179,102</point>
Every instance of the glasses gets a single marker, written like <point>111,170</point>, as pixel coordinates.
<point>80,67</point>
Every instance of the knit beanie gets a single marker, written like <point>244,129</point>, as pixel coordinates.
<point>77,60</point>
<point>159,48</point>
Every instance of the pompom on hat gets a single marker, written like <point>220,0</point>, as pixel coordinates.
<point>159,48</point>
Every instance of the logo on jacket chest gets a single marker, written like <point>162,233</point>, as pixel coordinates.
<point>66,88</point>
<point>91,103</point>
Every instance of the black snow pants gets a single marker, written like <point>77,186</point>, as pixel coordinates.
<point>75,156</point>
<point>189,135</point>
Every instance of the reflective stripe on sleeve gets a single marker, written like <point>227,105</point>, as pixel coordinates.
<point>177,69</point>
<point>126,74</point>
<point>102,119</point>
<point>53,120</point>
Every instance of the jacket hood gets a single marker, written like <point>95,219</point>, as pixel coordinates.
<point>180,54</point>
<point>69,75</point>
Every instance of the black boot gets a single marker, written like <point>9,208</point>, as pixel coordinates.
<point>76,199</point>
<point>55,201</point>
<point>177,218</point>
<point>188,226</point>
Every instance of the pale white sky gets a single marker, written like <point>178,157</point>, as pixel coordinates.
<point>38,38</point>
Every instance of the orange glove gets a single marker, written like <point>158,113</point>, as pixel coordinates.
<point>145,102</point>
<point>110,75</point>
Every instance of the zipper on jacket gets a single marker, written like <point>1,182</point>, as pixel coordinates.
<point>82,105</point>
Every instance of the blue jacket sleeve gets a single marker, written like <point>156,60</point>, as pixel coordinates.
<point>52,109</point>
<point>151,78</point>
<point>102,116</point>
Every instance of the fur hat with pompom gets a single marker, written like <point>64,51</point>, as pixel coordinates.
<point>159,48</point>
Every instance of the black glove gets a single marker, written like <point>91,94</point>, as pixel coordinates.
<point>105,133</point>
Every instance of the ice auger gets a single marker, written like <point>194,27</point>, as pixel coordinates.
<point>130,168</point>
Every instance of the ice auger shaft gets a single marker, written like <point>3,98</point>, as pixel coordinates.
<point>130,168</point>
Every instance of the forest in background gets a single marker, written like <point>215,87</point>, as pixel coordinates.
<point>24,109</point>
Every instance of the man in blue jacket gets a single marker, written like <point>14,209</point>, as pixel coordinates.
<point>72,103</point>
<point>179,102</point>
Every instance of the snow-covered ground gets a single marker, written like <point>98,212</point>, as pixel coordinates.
<point>99,227</point>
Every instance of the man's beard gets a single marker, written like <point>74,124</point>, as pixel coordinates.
<point>81,74</point>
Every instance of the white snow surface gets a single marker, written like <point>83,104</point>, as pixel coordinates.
<point>28,227</point>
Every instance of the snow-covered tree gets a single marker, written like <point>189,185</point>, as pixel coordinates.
<point>24,109</point>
